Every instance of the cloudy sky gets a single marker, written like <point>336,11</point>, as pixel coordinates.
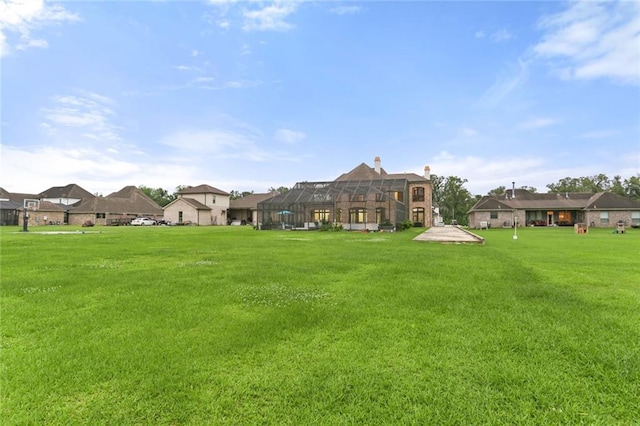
<point>244,95</point>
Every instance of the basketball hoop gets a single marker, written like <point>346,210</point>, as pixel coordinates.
<point>30,205</point>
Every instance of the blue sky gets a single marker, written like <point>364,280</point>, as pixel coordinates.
<point>245,95</point>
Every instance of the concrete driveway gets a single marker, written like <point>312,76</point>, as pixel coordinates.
<point>449,234</point>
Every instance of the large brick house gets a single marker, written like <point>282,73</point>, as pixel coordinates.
<point>364,198</point>
<point>602,209</point>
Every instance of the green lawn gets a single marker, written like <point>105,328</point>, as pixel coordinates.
<point>227,325</point>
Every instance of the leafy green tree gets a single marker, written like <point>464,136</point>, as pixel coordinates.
<point>531,189</point>
<point>617,186</point>
<point>497,191</point>
<point>437,186</point>
<point>236,195</point>
<point>159,195</point>
<point>453,199</point>
<point>632,187</point>
<point>281,189</point>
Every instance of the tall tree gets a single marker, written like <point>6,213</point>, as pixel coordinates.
<point>453,199</point>
<point>632,187</point>
<point>280,189</point>
<point>159,195</point>
<point>437,186</point>
<point>236,195</point>
<point>497,191</point>
<point>617,186</point>
<point>531,189</point>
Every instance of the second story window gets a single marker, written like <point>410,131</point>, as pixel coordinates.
<point>418,194</point>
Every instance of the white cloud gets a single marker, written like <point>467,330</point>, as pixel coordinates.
<point>32,43</point>
<point>269,18</point>
<point>90,113</point>
<point>505,83</point>
<point>219,143</point>
<point>246,49</point>
<point>468,131</point>
<point>345,10</point>
<point>500,35</point>
<point>186,68</point>
<point>484,174</point>
<point>479,34</point>
<point>538,123</point>
<point>195,53</point>
<point>28,169</point>
<point>24,17</point>
<point>592,40</point>
<point>290,137</point>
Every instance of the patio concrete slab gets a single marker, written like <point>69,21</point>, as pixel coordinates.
<point>449,234</point>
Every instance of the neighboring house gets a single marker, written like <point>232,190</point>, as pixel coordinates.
<point>602,209</point>
<point>65,195</point>
<point>12,207</point>
<point>199,205</point>
<point>363,199</point>
<point>74,206</point>
<point>245,210</point>
<point>116,208</point>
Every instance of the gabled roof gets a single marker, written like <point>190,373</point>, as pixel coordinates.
<point>16,196</point>
<point>526,200</point>
<point>202,189</point>
<point>364,172</point>
<point>251,201</point>
<point>129,200</point>
<point>70,191</point>
<point>361,172</point>
<point>611,201</point>
<point>190,201</point>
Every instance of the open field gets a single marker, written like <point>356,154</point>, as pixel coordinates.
<point>227,325</point>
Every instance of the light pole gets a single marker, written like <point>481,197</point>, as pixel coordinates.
<point>515,225</point>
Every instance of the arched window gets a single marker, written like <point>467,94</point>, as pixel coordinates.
<point>418,216</point>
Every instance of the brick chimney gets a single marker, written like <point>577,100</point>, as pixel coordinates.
<point>427,172</point>
<point>376,165</point>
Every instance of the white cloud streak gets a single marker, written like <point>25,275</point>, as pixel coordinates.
<point>345,10</point>
<point>269,18</point>
<point>594,39</point>
<point>289,137</point>
<point>22,17</point>
<point>91,113</point>
<point>538,123</point>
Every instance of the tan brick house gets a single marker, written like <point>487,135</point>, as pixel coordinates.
<point>602,209</point>
<point>199,205</point>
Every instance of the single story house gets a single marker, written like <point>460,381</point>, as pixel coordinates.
<point>244,210</point>
<point>364,198</point>
<point>602,209</point>
<point>199,205</point>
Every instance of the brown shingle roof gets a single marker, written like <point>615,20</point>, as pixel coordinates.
<point>250,201</point>
<point>557,201</point>
<point>70,191</point>
<point>202,189</point>
<point>129,200</point>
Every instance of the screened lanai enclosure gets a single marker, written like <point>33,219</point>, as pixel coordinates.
<point>354,204</point>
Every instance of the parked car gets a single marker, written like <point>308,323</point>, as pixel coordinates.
<point>143,221</point>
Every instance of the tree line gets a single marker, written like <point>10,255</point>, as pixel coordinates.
<point>452,198</point>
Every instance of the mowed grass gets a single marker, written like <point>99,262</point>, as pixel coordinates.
<point>227,325</point>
